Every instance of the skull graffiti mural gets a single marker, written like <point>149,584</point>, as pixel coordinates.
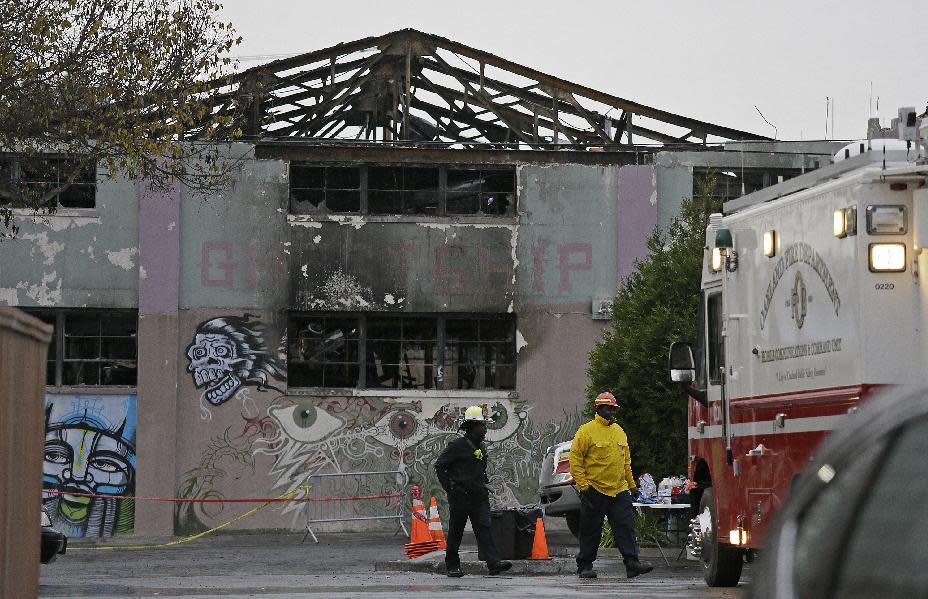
<point>229,352</point>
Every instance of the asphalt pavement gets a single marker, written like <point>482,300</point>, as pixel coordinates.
<point>343,565</point>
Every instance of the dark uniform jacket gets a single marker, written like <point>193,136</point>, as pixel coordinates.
<point>462,471</point>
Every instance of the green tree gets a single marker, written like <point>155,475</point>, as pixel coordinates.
<point>117,84</point>
<point>656,305</point>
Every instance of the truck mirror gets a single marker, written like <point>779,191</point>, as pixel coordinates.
<point>682,368</point>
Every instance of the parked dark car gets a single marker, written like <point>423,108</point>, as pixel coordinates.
<point>54,543</point>
<point>556,487</point>
<point>855,523</point>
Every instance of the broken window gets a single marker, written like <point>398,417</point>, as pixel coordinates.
<point>402,352</point>
<point>480,353</point>
<point>402,190</point>
<point>91,347</point>
<point>315,189</point>
<point>324,351</point>
<point>480,191</point>
<point>31,179</point>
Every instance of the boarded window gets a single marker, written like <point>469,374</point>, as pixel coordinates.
<point>320,189</point>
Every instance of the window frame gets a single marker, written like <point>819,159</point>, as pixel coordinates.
<point>15,164</point>
<point>60,339</point>
<point>441,191</point>
<point>439,365</point>
<point>715,341</point>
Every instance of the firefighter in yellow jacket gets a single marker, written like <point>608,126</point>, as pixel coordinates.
<point>601,465</point>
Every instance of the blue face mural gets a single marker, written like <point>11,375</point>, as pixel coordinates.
<point>90,448</point>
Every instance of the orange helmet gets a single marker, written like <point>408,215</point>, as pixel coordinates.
<point>605,399</point>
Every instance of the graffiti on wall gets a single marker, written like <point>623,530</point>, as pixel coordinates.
<point>351,434</point>
<point>346,434</point>
<point>90,449</point>
<point>228,353</point>
<point>227,457</point>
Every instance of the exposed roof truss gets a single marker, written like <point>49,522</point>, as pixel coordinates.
<point>409,85</point>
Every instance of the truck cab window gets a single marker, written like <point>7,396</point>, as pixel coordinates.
<point>716,343</point>
<point>699,350</point>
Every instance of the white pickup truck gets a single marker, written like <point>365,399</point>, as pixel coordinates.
<point>556,488</point>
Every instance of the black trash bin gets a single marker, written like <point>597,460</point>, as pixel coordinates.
<point>514,531</point>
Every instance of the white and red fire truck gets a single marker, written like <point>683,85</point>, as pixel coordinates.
<point>814,295</point>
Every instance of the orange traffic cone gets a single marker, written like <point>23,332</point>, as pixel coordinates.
<point>421,541</point>
<point>435,525</point>
<point>540,545</point>
<point>419,532</point>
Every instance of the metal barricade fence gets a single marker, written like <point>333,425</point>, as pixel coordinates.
<point>357,496</point>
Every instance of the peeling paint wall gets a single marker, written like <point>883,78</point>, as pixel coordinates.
<point>85,257</point>
<point>233,243</point>
<point>402,267</point>
<point>216,418</point>
<point>545,264</point>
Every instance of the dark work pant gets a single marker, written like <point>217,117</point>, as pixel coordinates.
<point>479,513</point>
<point>594,506</point>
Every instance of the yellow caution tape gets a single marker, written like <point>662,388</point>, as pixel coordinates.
<point>290,495</point>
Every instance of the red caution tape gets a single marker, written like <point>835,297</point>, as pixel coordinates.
<point>250,500</point>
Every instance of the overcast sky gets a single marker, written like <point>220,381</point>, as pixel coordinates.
<point>709,60</point>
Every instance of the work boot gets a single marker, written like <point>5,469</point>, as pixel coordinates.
<point>587,573</point>
<point>455,572</point>
<point>498,567</point>
<point>633,568</point>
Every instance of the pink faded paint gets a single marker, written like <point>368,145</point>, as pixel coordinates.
<point>488,268</point>
<point>538,269</point>
<point>566,265</point>
<point>448,281</point>
<point>218,255</point>
<point>159,249</point>
<point>403,254</point>
<point>637,216</point>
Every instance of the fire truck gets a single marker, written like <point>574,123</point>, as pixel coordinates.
<point>814,295</point>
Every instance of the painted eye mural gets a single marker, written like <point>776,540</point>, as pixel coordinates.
<point>403,425</point>
<point>89,456</point>
<point>229,352</point>
<point>343,434</point>
<point>305,423</point>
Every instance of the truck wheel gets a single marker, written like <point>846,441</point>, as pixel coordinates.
<point>722,562</point>
<point>573,523</point>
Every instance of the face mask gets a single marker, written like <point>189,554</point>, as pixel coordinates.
<point>608,416</point>
<point>477,434</point>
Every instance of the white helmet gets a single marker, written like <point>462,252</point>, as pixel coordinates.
<point>474,414</point>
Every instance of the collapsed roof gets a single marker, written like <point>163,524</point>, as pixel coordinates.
<point>412,86</point>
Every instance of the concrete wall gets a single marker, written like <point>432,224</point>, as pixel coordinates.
<point>76,257</point>
<point>237,262</point>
